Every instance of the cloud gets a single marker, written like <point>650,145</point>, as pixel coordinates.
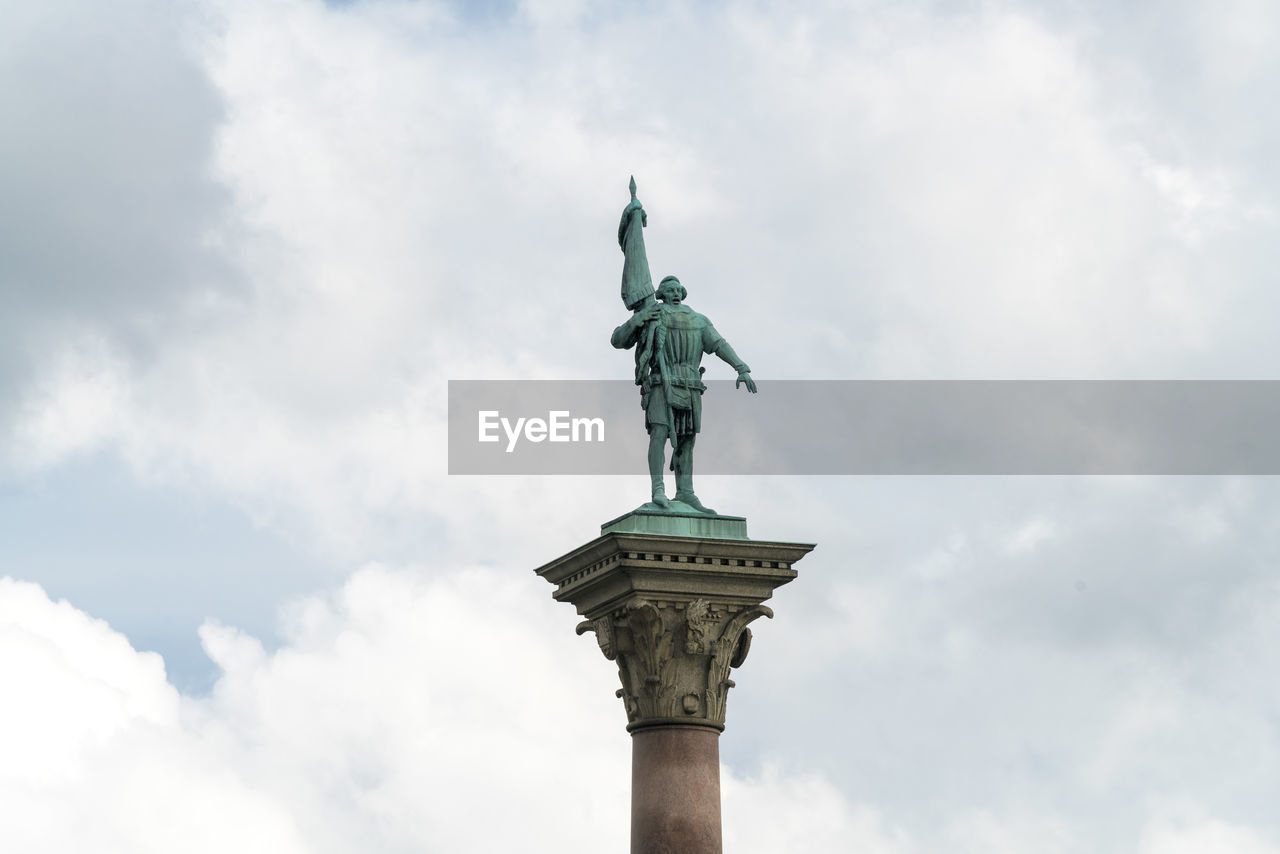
<point>776,812</point>
<point>1186,834</point>
<point>84,685</point>
<point>349,206</point>
<point>96,755</point>
<point>400,715</point>
<point>111,216</point>
<point>414,192</point>
<point>1067,686</point>
<point>397,715</point>
<point>403,714</point>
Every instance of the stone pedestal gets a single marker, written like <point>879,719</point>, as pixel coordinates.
<point>672,611</point>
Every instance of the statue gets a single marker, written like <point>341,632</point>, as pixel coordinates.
<point>669,339</point>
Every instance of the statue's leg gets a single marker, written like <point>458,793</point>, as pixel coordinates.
<point>657,449</point>
<point>684,473</point>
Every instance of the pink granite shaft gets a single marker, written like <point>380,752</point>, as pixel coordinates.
<point>675,790</point>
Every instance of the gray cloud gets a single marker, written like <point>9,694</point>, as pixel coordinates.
<point>1085,648</point>
<point>875,193</point>
<point>110,211</point>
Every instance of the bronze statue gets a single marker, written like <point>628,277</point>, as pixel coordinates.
<point>669,339</point>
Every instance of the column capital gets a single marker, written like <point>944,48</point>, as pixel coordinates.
<point>672,611</point>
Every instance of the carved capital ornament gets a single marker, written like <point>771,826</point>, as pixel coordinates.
<point>673,614</point>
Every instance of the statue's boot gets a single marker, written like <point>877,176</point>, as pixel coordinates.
<point>660,493</point>
<point>684,492</point>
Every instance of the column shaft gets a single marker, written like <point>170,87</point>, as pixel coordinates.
<point>675,790</point>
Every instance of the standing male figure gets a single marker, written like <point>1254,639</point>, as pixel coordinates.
<point>670,339</point>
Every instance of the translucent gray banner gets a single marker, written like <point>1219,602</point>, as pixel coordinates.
<point>879,427</point>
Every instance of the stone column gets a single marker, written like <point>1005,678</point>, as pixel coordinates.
<point>675,790</point>
<point>672,611</point>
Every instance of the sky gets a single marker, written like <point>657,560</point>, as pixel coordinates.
<point>245,244</point>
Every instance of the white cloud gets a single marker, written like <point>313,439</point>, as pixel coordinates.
<point>463,714</point>
<point>775,812</point>
<point>985,832</point>
<point>1187,834</point>
<point>414,192</point>
<point>400,715</point>
<point>1029,536</point>
<point>852,192</point>
<point>96,757</point>
<point>81,685</point>
<point>397,716</point>
<point>77,406</point>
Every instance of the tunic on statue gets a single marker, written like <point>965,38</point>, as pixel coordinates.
<point>676,340</point>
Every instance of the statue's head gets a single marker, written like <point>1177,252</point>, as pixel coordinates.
<point>671,291</point>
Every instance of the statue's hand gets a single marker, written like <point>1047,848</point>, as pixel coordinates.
<point>745,377</point>
<point>644,315</point>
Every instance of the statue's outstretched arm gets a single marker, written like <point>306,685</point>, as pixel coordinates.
<point>724,351</point>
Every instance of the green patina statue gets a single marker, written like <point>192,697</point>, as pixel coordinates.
<point>669,339</point>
